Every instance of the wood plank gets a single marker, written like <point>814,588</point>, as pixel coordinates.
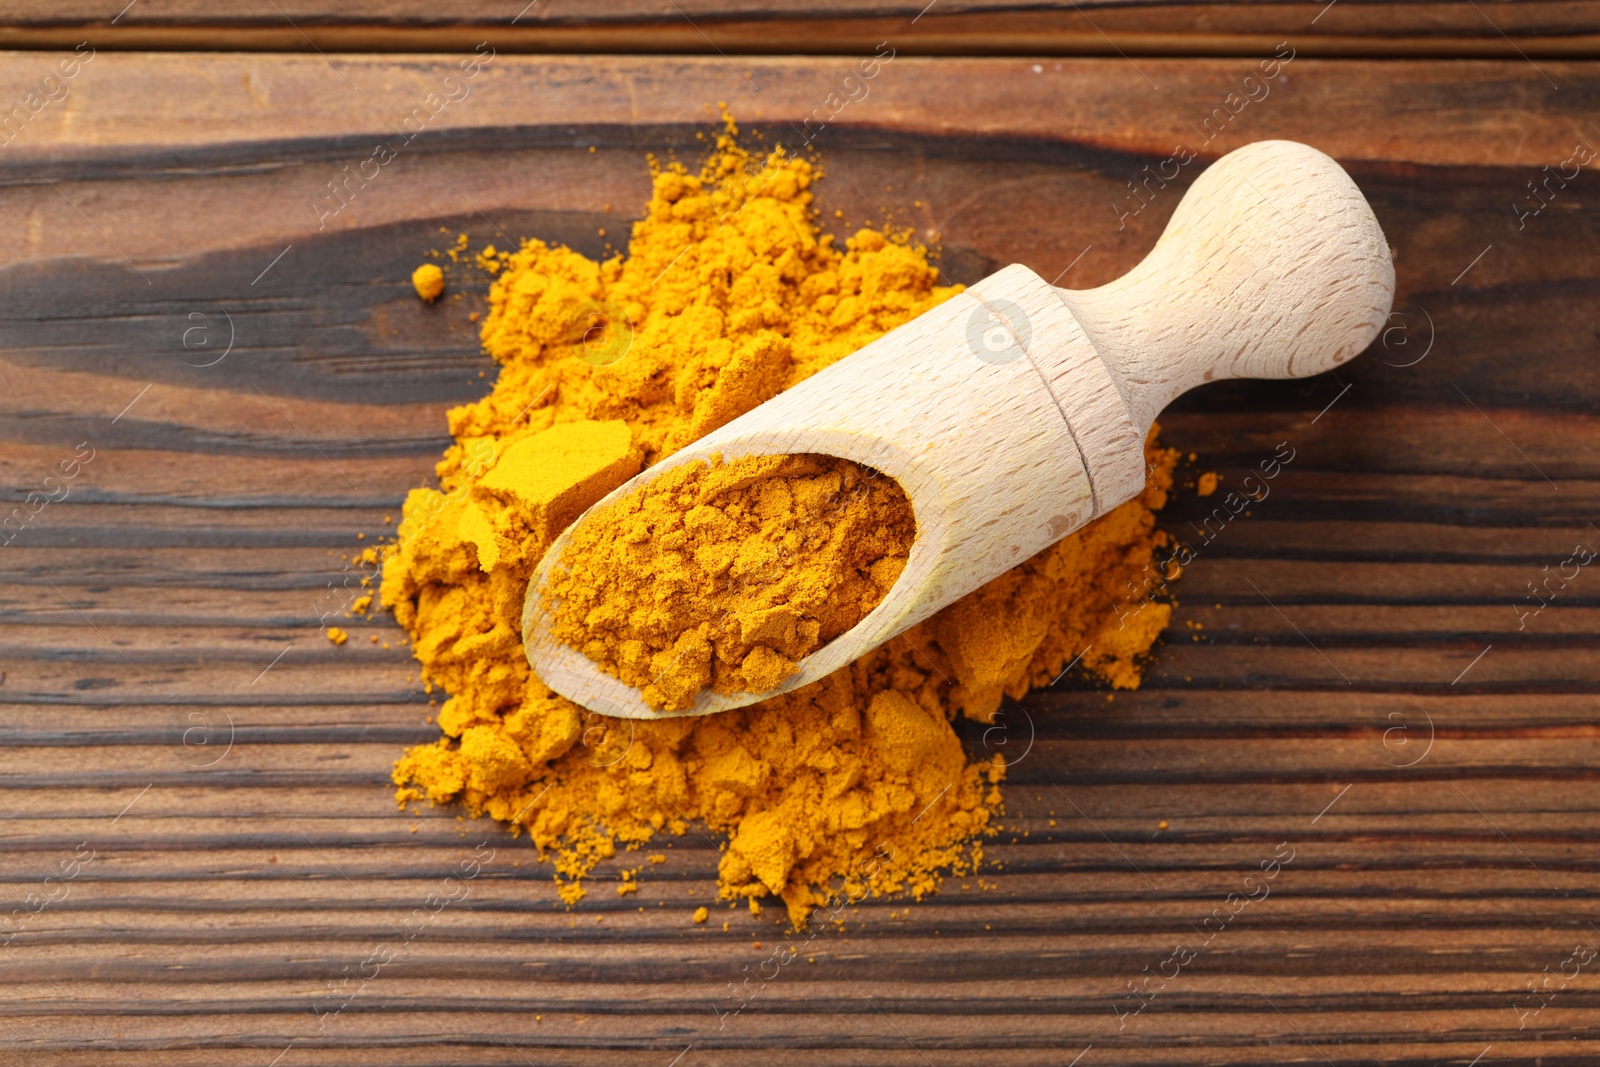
<point>1442,804</point>
<point>1496,28</point>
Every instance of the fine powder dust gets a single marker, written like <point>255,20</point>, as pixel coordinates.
<point>723,576</point>
<point>729,293</point>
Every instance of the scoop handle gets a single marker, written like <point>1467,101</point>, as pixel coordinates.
<point>1273,266</point>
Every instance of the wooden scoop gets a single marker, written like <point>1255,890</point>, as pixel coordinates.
<point>1015,412</point>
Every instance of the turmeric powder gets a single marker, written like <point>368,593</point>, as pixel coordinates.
<point>428,281</point>
<point>723,576</point>
<point>728,294</point>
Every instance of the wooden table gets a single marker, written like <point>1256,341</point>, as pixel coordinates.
<point>198,832</point>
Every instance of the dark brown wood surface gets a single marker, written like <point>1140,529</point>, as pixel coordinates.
<point>1490,28</point>
<point>1361,694</point>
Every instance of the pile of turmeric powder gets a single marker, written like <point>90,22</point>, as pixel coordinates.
<point>724,575</point>
<point>728,294</point>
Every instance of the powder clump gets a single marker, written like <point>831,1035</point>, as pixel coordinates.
<point>540,483</point>
<point>428,281</point>
<point>856,783</point>
<point>724,575</point>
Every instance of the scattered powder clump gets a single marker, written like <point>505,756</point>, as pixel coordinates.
<point>724,575</point>
<point>727,295</point>
<point>428,281</point>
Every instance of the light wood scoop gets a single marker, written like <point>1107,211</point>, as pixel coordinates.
<point>1015,412</point>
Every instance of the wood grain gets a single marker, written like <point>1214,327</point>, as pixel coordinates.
<point>1429,28</point>
<point>1360,693</point>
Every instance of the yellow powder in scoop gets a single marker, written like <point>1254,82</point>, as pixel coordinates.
<point>723,575</point>
<point>728,294</point>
